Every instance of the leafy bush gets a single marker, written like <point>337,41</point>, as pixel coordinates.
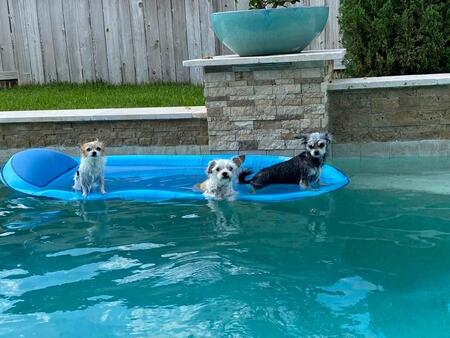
<point>255,4</point>
<point>393,37</point>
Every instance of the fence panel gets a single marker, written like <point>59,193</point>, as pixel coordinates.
<point>6,46</point>
<point>119,41</point>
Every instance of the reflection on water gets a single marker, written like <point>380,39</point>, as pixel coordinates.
<point>360,262</point>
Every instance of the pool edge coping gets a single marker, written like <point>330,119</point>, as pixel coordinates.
<point>382,82</point>
<point>107,114</point>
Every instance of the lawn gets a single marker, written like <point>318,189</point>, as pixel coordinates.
<point>98,95</point>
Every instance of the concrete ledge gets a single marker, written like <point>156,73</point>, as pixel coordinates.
<point>228,60</point>
<point>119,114</point>
<point>390,82</point>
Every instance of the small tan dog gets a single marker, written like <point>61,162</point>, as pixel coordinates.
<point>221,174</point>
<point>90,173</point>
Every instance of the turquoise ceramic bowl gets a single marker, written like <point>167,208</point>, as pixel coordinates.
<point>269,31</point>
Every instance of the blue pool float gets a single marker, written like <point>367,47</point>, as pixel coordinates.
<point>49,173</point>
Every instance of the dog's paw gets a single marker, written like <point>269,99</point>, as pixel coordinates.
<point>304,186</point>
<point>102,191</point>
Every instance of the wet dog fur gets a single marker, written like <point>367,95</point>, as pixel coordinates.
<point>90,173</point>
<point>303,169</point>
<point>221,174</point>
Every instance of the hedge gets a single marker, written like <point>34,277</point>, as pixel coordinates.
<point>395,37</point>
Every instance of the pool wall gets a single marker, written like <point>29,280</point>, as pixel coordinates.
<point>382,115</point>
<point>390,115</point>
<point>180,130</point>
<point>113,133</point>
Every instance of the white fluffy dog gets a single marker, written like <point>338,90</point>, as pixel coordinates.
<point>92,165</point>
<point>221,174</point>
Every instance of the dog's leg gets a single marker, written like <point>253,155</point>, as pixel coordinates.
<point>307,185</point>
<point>76,181</point>
<point>304,184</point>
<point>315,182</point>
<point>85,190</point>
<point>102,185</point>
<point>230,195</point>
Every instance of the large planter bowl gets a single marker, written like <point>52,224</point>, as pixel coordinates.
<point>269,31</point>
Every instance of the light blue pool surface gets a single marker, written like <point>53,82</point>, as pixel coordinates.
<point>368,260</point>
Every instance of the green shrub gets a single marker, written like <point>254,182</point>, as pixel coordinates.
<point>394,37</point>
<point>260,4</point>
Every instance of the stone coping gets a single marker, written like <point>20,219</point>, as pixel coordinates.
<point>390,82</point>
<point>116,114</point>
<point>229,60</point>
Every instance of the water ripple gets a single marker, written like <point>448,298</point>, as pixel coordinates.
<point>18,286</point>
<point>130,247</point>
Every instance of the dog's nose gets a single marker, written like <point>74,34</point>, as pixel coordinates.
<point>225,175</point>
<point>94,154</point>
<point>316,152</point>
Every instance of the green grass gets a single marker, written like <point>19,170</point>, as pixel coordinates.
<point>98,95</point>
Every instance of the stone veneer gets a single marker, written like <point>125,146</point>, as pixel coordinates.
<point>172,132</point>
<point>390,114</point>
<point>264,107</point>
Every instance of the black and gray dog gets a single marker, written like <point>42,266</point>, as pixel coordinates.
<point>303,169</point>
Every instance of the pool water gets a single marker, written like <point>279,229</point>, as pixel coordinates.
<point>370,260</point>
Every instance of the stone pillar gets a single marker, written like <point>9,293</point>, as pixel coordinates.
<point>260,104</point>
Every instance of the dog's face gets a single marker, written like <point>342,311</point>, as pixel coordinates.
<point>224,170</point>
<point>317,143</point>
<point>92,149</point>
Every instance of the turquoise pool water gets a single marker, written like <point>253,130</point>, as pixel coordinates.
<point>370,260</point>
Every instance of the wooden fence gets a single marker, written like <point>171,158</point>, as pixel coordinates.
<point>118,41</point>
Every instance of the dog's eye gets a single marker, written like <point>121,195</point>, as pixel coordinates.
<point>321,145</point>
<point>88,149</point>
<point>230,168</point>
<point>217,169</point>
<point>98,149</point>
<point>310,146</point>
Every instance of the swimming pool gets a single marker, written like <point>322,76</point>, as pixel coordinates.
<point>371,259</point>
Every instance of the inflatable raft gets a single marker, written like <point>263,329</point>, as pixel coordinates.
<point>49,173</point>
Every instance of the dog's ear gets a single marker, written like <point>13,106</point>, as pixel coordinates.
<point>302,138</point>
<point>238,160</point>
<point>211,165</point>
<point>328,137</point>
